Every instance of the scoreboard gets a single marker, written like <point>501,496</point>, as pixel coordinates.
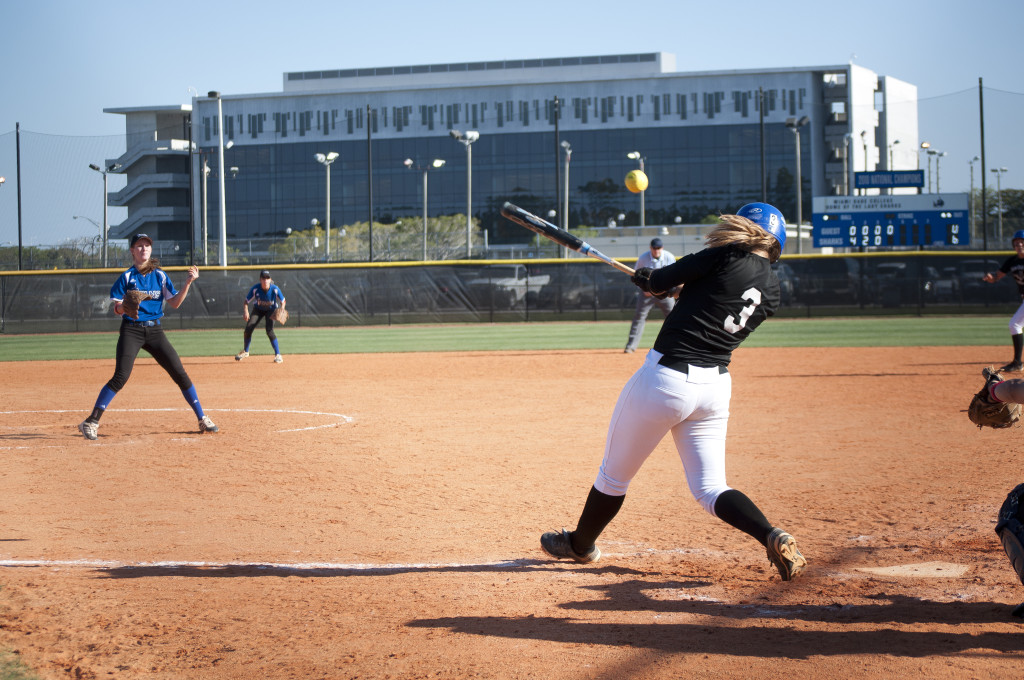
<point>899,220</point>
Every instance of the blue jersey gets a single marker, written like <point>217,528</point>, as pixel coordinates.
<point>156,283</point>
<point>265,299</point>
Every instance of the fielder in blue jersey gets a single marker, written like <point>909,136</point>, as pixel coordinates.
<point>265,298</point>
<point>143,331</point>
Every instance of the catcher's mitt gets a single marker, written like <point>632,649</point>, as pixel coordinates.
<point>130,303</point>
<point>984,411</point>
<point>281,316</point>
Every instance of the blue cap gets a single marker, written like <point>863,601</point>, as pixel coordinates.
<point>1017,235</point>
<point>768,218</point>
<point>138,237</point>
<point>656,243</point>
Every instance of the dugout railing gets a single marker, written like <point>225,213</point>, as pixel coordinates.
<point>915,283</point>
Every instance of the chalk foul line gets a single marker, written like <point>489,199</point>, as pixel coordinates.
<point>277,566</point>
<point>343,419</point>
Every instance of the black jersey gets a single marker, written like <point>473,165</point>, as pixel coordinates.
<point>727,293</point>
<point>1014,266</point>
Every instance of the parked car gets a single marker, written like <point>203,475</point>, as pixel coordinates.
<point>897,283</point>
<point>947,285</point>
<point>573,289</point>
<point>614,290</point>
<point>972,288</point>
<point>58,298</point>
<point>94,299</point>
<point>506,286</point>
<point>830,280</point>
<point>788,282</point>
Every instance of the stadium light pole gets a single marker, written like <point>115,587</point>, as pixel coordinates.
<point>326,160</point>
<point>204,217</point>
<point>999,196</point>
<point>467,140</point>
<point>938,176</point>
<point>970,197</point>
<point>794,125</point>
<point>925,146</point>
<point>864,143</point>
<point>436,163</point>
<point>933,152</point>
<point>565,208</point>
<point>635,155</point>
<point>223,249</point>
<point>106,222</point>
<point>892,167</point>
<point>846,164</point>
<point>204,201</point>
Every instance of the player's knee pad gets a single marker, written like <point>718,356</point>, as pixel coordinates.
<point>1010,529</point>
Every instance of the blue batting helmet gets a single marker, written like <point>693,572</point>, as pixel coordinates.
<point>1017,235</point>
<point>768,218</point>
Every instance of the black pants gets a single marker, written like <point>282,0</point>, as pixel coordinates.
<point>257,315</point>
<point>152,339</point>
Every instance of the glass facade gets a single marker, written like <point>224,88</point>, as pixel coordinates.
<point>694,171</point>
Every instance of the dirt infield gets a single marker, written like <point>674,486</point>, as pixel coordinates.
<point>378,516</point>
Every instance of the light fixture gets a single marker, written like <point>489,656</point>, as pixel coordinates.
<point>113,167</point>
<point>794,125</point>
<point>326,160</point>
<point>436,163</point>
<point>467,139</point>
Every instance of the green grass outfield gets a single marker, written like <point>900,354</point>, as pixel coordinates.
<point>837,332</point>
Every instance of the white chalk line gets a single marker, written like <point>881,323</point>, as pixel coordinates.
<point>280,566</point>
<point>344,418</point>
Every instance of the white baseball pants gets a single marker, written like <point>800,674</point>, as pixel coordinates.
<point>1017,321</point>
<point>694,406</point>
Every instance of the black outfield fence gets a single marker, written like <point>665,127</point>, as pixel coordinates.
<point>915,283</point>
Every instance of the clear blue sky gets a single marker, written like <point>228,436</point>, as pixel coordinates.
<point>64,61</point>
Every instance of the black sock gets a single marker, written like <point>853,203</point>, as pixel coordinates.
<point>94,417</point>
<point>734,508</point>
<point>598,511</point>
<point>1018,345</point>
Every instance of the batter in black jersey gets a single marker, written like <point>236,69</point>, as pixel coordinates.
<point>684,385</point>
<point>1014,266</point>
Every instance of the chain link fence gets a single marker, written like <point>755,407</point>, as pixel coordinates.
<point>512,290</point>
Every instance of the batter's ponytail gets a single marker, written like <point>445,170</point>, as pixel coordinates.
<point>733,230</point>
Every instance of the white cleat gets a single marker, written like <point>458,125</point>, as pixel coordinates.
<point>278,359</point>
<point>241,355</point>
<point>90,430</point>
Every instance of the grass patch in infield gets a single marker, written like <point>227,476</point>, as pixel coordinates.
<point>12,668</point>
<point>887,331</point>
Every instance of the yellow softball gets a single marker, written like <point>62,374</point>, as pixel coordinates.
<point>636,181</point>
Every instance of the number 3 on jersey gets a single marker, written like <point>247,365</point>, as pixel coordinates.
<point>754,296</point>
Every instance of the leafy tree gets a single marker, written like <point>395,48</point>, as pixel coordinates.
<point>399,240</point>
